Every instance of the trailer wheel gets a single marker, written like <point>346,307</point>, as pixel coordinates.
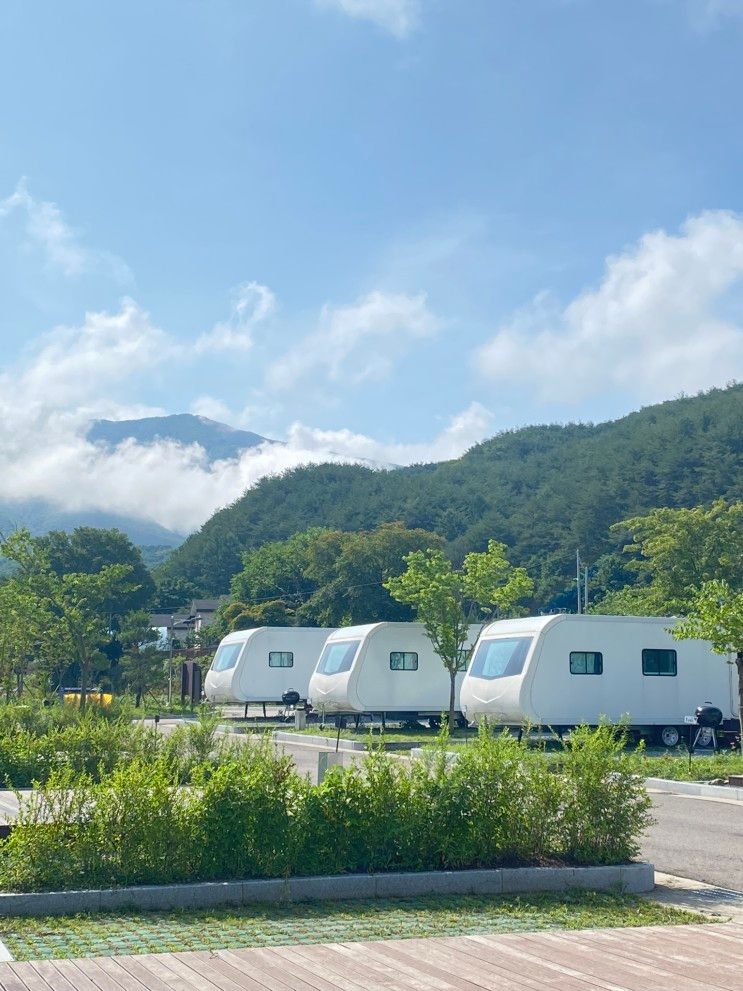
<point>669,736</point>
<point>434,722</point>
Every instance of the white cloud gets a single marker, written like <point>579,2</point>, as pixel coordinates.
<point>252,304</point>
<point>463,431</point>
<point>665,319</point>
<point>399,17</point>
<point>358,342</point>
<point>74,374</point>
<point>46,228</point>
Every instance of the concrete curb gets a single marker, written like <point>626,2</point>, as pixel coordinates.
<point>695,788</point>
<point>634,878</point>
<point>282,736</point>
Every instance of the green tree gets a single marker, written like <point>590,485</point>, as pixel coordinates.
<point>716,614</point>
<point>79,604</point>
<point>142,664</point>
<point>88,550</point>
<point>675,551</point>
<point>444,599</point>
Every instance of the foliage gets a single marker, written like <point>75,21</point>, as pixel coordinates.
<point>88,550</point>
<point>323,578</point>
<point>675,551</point>
<point>716,614</point>
<point>443,598</point>
<point>542,490</point>
<point>76,609</point>
<point>250,814</point>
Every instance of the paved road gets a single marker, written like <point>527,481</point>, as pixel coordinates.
<point>697,838</point>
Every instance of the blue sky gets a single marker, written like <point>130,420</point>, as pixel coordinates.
<point>384,228</point>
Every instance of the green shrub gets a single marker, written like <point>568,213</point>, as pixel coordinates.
<point>252,815</point>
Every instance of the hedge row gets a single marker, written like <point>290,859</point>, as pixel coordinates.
<point>253,816</point>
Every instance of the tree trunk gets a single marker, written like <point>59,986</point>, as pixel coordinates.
<point>452,698</point>
<point>739,666</point>
<point>83,682</point>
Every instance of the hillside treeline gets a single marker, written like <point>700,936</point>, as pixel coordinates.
<point>543,491</point>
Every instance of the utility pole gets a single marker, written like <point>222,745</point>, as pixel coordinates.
<point>170,661</point>
<point>578,579</point>
<point>585,589</point>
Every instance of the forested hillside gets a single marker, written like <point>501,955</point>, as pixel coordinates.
<point>542,490</point>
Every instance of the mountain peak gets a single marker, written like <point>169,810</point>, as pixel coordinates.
<point>219,440</point>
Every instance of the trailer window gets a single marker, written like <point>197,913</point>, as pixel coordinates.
<point>280,659</point>
<point>464,658</point>
<point>586,662</point>
<point>403,660</point>
<point>337,656</point>
<point>500,658</point>
<point>226,657</point>
<point>659,663</point>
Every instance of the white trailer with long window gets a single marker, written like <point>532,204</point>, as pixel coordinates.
<point>384,669</point>
<point>259,665</point>
<point>565,670</point>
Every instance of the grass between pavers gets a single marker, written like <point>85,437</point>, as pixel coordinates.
<point>323,922</point>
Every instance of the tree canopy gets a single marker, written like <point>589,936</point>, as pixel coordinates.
<point>542,491</point>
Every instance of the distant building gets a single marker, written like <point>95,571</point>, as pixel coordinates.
<point>177,628</point>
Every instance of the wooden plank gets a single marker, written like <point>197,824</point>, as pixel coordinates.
<point>678,958</point>
<point>320,960</point>
<point>271,967</point>
<point>132,967</point>
<point>369,956</point>
<point>532,975</point>
<point>404,952</point>
<point>76,977</point>
<point>347,974</point>
<point>29,976</point>
<point>452,958</point>
<point>153,962</point>
<point>55,978</point>
<point>608,971</point>
<point>10,981</point>
<point>242,979</point>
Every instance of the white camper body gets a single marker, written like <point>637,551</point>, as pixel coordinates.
<point>564,670</point>
<point>384,668</point>
<point>260,665</point>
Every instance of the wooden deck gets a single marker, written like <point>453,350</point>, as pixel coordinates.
<point>694,958</point>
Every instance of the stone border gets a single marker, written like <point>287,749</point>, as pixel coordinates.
<point>328,742</point>
<point>695,788</point>
<point>634,878</point>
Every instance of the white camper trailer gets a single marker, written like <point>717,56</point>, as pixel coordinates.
<point>386,669</point>
<point>561,671</point>
<point>260,665</point>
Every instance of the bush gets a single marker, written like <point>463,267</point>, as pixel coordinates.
<point>252,815</point>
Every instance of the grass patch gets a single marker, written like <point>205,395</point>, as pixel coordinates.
<point>674,765</point>
<point>313,922</point>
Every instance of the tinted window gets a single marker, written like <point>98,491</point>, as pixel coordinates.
<point>659,662</point>
<point>280,659</point>
<point>403,660</point>
<point>337,656</point>
<point>226,657</point>
<point>463,659</point>
<point>586,662</point>
<point>500,658</point>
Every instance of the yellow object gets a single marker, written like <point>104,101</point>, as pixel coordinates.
<point>97,698</point>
